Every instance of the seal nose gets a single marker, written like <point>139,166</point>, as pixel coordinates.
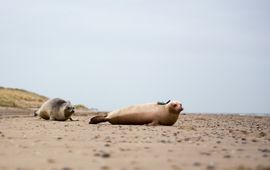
<point>181,107</point>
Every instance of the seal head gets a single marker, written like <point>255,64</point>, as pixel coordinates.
<point>175,107</point>
<point>68,109</point>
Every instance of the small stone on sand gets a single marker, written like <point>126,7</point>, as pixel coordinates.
<point>66,168</point>
<point>197,164</point>
<point>227,156</point>
<point>51,161</point>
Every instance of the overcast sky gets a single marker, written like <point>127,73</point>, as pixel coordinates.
<point>214,56</point>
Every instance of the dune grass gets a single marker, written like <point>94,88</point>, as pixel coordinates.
<point>81,107</point>
<point>12,97</point>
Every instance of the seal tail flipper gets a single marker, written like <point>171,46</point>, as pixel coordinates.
<point>97,119</point>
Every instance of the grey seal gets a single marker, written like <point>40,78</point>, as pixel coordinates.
<point>56,109</point>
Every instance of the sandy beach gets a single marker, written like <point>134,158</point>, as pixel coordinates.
<point>195,141</point>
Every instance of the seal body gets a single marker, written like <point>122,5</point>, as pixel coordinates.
<point>151,114</point>
<point>56,109</point>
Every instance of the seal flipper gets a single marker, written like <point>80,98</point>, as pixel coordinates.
<point>153,123</point>
<point>98,119</point>
<point>73,119</point>
<point>163,103</point>
<point>35,113</point>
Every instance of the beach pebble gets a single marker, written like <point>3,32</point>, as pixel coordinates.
<point>261,134</point>
<point>105,155</point>
<point>51,161</point>
<point>254,140</point>
<point>196,164</point>
<point>107,145</point>
<point>240,149</point>
<point>186,139</point>
<point>264,150</point>
<point>105,168</point>
<point>244,132</point>
<point>66,168</point>
<point>162,141</point>
<point>97,154</point>
<point>265,155</point>
<point>97,136</point>
<point>227,156</point>
<point>175,167</point>
<point>205,153</point>
<point>2,134</point>
<point>210,167</point>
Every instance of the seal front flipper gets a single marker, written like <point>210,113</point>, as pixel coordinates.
<point>73,119</point>
<point>35,113</point>
<point>52,118</point>
<point>153,123</point>
<point>98,119</point>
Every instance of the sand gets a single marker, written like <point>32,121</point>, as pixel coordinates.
<point>209,142</point>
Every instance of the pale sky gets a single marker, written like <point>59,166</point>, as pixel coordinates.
<point>213,56</point>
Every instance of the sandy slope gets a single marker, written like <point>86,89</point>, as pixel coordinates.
<point>195,142</point>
